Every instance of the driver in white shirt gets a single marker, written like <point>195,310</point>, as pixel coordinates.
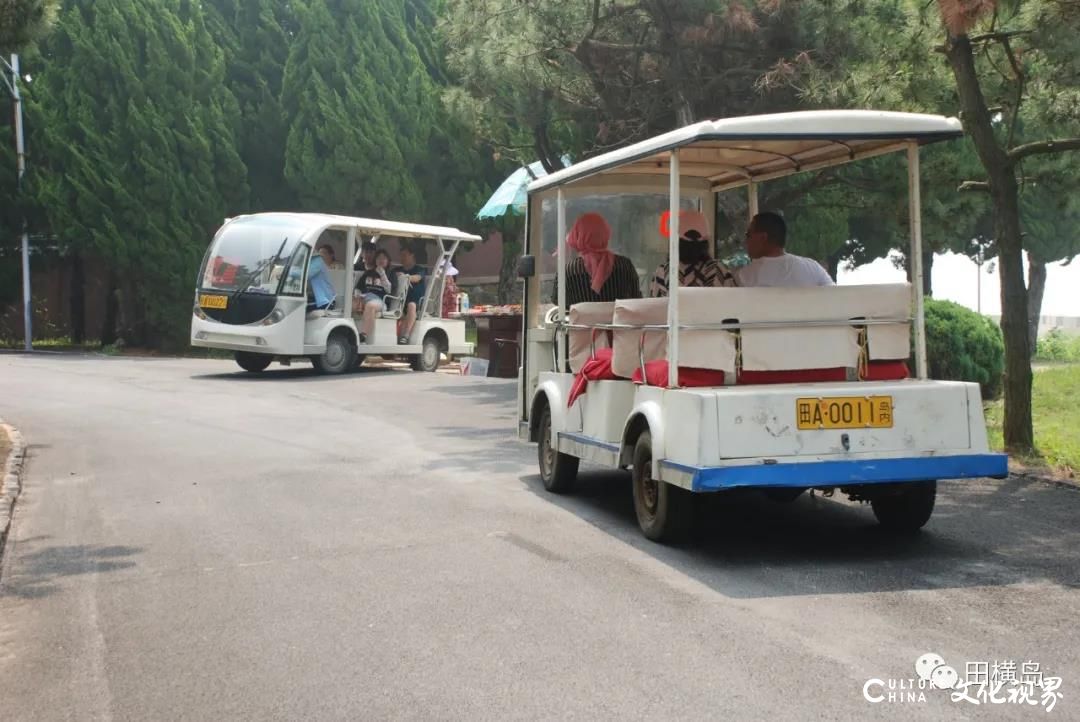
<point>770,265</point>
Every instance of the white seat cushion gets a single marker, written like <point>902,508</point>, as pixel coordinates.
<point>582,342</point>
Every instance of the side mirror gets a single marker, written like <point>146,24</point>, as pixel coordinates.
<point>526,267</point>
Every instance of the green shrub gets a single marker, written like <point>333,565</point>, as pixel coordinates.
<point>962,345</point>
<point>1058,346</point>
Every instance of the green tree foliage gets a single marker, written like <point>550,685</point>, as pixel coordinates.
<point>255,37</point>
<point>136,161</point>
<point>962,345</point>
<point>24,21</point>
<point>357,98</point>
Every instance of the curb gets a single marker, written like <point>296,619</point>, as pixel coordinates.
<point>10,480</point>
<point>1060,483</point>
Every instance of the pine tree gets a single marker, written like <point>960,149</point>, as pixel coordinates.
<point>137,150</point>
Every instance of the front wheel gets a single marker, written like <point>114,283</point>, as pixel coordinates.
<point>339,357</point>
<point>253,362</point>
<point>428,360</point>
<point>558,471</point>
<point>664,511</point>
<point>905,507</point>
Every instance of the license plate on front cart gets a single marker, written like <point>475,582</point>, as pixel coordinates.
<point>845,412</point>
<point>209,301</point>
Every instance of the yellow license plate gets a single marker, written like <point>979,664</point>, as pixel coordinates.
<point>845,412</point>
<point>208,301</point>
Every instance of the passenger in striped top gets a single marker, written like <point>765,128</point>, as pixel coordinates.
<point>596,274</point>
<point>696,266</point>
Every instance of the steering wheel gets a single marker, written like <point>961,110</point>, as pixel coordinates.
<point>552,316</point>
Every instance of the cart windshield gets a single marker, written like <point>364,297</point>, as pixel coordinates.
<point>250,254</point>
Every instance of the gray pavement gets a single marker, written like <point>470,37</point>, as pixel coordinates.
<point>195,543</point>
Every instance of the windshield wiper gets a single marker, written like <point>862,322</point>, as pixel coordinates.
<point>243,286</point>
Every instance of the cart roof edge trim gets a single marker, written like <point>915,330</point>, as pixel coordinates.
<point>736,151</point>
<point>364,225</point>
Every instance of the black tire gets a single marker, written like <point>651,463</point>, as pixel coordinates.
<point>905,507</point>
<point>340,354</point>
<point>253,362</point>
<point>558,471</point>
<point>428,360</point>
<point>664,511</point>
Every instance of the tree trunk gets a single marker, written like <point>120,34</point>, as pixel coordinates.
<point>1004,193</point>
<point>1018,433</point>
<point>511,251</point>
<point>78,299</point>
<point>112,310</point>
<point>1036,286</point>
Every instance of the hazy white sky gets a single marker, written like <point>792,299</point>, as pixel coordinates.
<point>956,278</point>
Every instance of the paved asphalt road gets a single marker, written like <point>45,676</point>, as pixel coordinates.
<point>195,543</point>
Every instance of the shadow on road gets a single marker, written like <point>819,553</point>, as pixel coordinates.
<point>300,373</point>
<point>37,574</point>
<point>746,546</point>
<point>480,390</point>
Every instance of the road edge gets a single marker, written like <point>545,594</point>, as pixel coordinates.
<point>10,481</point>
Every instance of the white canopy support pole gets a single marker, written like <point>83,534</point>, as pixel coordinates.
<point>673,275</point>
<point>560,275</point>
<point>350,252</point>
<point>752,202</point>
<point>915,258</point>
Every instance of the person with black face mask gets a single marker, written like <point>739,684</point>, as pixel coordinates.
<point>696,266</point>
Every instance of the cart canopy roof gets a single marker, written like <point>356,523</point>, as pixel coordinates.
<point>368,226</point>
<point>736,151</point>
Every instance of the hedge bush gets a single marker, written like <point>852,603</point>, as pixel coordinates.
<point>962,345</point>
<point>1058,346</point>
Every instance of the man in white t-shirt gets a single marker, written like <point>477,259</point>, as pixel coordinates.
<point>770,265</point>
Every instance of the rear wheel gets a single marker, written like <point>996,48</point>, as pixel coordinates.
<point>428,360</point>
<point>664,511</point>
<point>340,354</point>
<point>253,362</point>
<point>558,471</point>
<point>905,507</point>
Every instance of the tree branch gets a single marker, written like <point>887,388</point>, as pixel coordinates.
<point>974,186</point>
<point>1042,147</point>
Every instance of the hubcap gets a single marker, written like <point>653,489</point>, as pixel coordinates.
<point>431,355</point>
<point>548,452</point>
<point>335,353</point>
<point>650,493</point>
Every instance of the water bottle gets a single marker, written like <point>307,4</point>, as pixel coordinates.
<point>464,302</point>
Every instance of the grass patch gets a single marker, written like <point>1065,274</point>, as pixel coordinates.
<point>1055,409</point>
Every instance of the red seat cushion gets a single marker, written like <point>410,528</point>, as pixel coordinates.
<point>886,371</point>
<point>656,374</point>
<point>795,376</point>
<point>597,368</point>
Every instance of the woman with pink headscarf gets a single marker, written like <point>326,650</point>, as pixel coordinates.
<point>596,274</point>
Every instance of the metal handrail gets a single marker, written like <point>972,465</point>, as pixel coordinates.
<point>724,326</point>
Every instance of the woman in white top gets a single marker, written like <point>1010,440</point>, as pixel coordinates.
<point>770,265</point>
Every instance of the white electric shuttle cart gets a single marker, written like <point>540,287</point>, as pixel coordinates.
<point>252,294</point>
<point>780,389</point>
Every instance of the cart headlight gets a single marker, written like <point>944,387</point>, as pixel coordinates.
<point>274,317</point>
<point>199,312</point>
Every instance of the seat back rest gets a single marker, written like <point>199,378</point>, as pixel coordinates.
<point>394,302</point>
<point>581,342</point>
<point>637,311</point>
<point>341,294</point>
<point>713,349</point>
<point>793,347</point>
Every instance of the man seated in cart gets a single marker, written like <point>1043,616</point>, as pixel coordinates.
<point>770,264</point>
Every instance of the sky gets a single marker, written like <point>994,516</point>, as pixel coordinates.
<point>956,278</point>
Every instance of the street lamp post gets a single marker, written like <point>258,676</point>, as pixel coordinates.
<point>20,160</point>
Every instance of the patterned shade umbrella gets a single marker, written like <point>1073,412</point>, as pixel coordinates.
<point>510,197</point>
